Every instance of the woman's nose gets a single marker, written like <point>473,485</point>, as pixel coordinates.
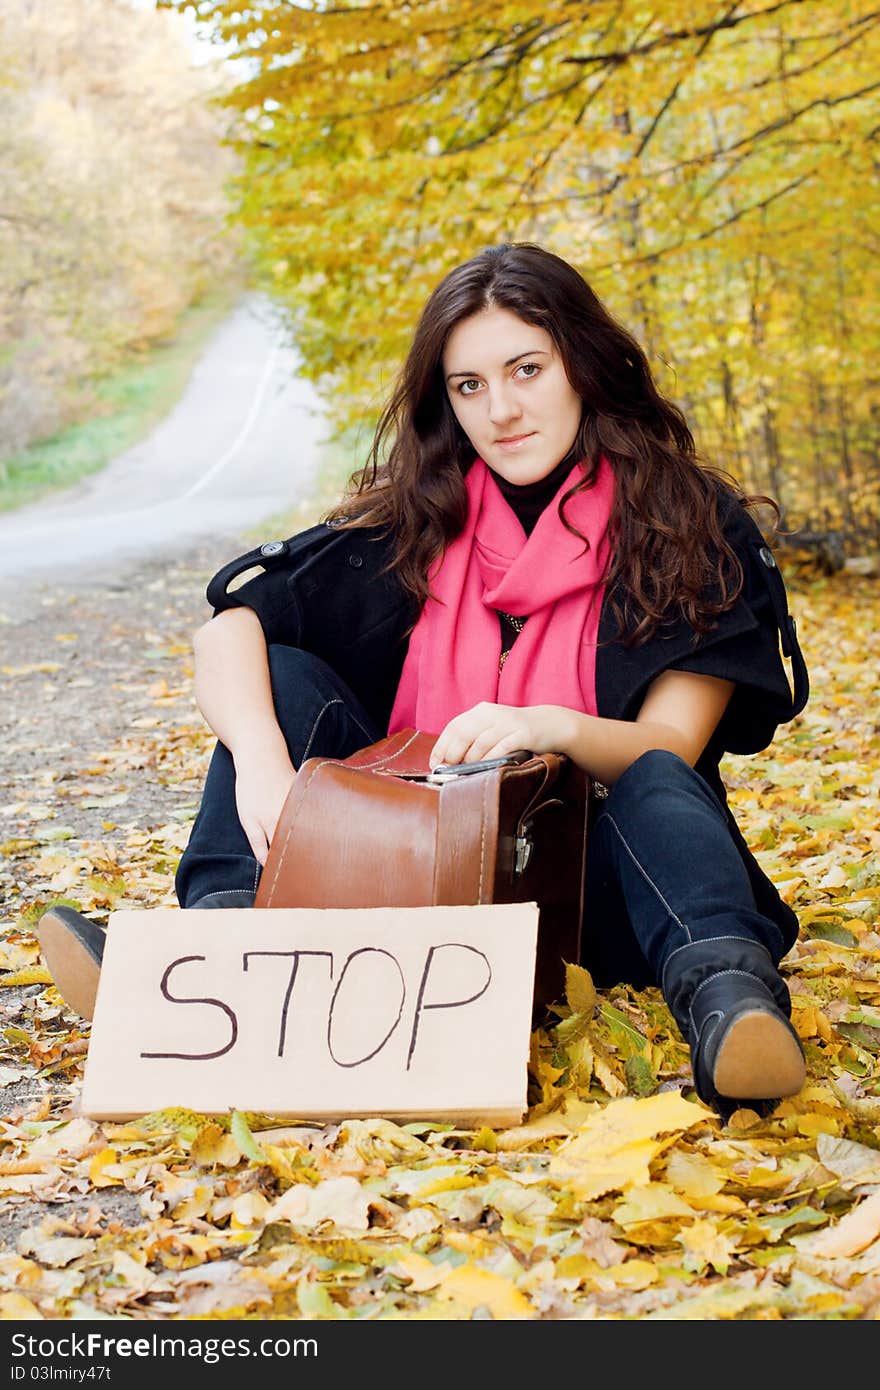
<point>503,405</point>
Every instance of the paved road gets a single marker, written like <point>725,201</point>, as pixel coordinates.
<point>241,445</point>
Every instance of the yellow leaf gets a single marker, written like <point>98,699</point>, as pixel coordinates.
<point>469,1288</point>
<point>27,1182</point>
<point>73,1137</point>
<point>419,1270</point>
<point>15,1307</point>
<point>18,955</point>
<point>213,1145</point>
<point>705,1245</point>
<point>174,1120</point>
<point>132,1272</point>
<point>107,1158</point>
<point>282,1161</point>
<point>852,1163</point>
<point>246,1142</point>
<point>381,1140</point>
<point>580,992</point>
<point>577,1268</point>
<point>588,1175</point>
<point>340,1200</point>
<point>606,1077</point>
<point>471,1243</point>
<point>718,1201</point>
<point>812,1125</point>
<point>652,1201</point>
<point>580,1057</point>
<point>612,1149</point>
<point>632,1274</point>
<point>249,1209</point>
<point>823,1027</point>
<point>806,1022</point>
<point>694,1175</point>
<point>193,1207</point>
<point>30,975</point>
<point>744,1118</point>
<point>559,1123</point>
<point>854,1232</point>
<point>53,1251</point>
<point>445,1184</point>
<point>485,1139</point>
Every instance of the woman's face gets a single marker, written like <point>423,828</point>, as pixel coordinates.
<point>510,394</point>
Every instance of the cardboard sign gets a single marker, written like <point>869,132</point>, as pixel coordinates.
<point>316,1014</point>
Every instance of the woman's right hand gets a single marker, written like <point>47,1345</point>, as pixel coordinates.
<point>261,786</point>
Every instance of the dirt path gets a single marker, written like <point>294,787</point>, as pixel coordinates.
<point>242,444</point>
<point>82,668</point>
<point>104,752</point>
<point>101,589</point>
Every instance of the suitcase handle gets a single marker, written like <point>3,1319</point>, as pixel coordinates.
<point>445,772</point>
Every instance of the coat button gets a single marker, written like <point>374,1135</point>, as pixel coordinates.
<point>768,557</point>
<point>355,561</point>
<point>273,548</point>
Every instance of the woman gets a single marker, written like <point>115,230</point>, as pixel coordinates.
<point>532,557</point>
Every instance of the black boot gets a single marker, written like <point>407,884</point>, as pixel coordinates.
<point>73,947</point>
<point>733,1007</point>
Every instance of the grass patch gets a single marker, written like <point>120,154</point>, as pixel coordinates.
<point>128,403</point>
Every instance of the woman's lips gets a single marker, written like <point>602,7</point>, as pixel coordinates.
<point>514,440</point>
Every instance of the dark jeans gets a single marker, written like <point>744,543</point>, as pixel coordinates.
<point>662,869</point>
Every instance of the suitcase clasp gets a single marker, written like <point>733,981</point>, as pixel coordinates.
<point>523,846</point>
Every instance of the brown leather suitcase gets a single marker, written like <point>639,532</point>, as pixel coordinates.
<point>378,829</point>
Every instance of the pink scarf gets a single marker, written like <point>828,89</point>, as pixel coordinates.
<point>454,650</point>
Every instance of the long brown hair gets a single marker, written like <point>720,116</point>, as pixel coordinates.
<point>671,558</point>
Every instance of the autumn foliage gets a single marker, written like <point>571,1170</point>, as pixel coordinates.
<point>619,1197</point>
<point>112,201</point>
<point>711,169</point>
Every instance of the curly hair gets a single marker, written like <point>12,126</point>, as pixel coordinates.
<point>670,556</point>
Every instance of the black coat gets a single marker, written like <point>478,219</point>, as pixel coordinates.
<point>321,590</point>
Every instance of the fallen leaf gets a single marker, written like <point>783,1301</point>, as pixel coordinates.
<point>613,1148</point>
<point>704,1245</point>
<point>580,992</point>
<point>852,1233</point>
<point>341,1201</point>
<point>213,1144</point>
<point>651,1201</point>
<point>14,1306</point>
<point>30,975</point>
<point>54,1251</point>
<point>241,1133</point>
<point>469,1288</point>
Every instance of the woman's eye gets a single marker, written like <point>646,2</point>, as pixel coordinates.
<point>465,387</point>
<point>530,368</point>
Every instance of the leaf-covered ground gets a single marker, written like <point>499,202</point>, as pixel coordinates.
<point>619,1197</point>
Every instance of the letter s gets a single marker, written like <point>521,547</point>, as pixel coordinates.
<point>216,1003</point>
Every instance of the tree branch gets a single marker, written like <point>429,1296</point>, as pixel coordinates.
<point>676,35</point>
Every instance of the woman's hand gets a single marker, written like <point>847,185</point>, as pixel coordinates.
<point>491,731</point>
<point>261,787</point>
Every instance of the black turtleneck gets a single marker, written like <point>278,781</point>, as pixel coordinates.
<point>528,500</point>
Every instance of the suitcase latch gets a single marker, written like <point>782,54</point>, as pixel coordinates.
<point>523,846</point>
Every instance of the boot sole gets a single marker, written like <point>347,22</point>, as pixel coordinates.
<point>759,1058</point>
<point>73,968</point>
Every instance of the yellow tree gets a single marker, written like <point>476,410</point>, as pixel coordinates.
<point>112,198</point>
<point>711,171</point>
